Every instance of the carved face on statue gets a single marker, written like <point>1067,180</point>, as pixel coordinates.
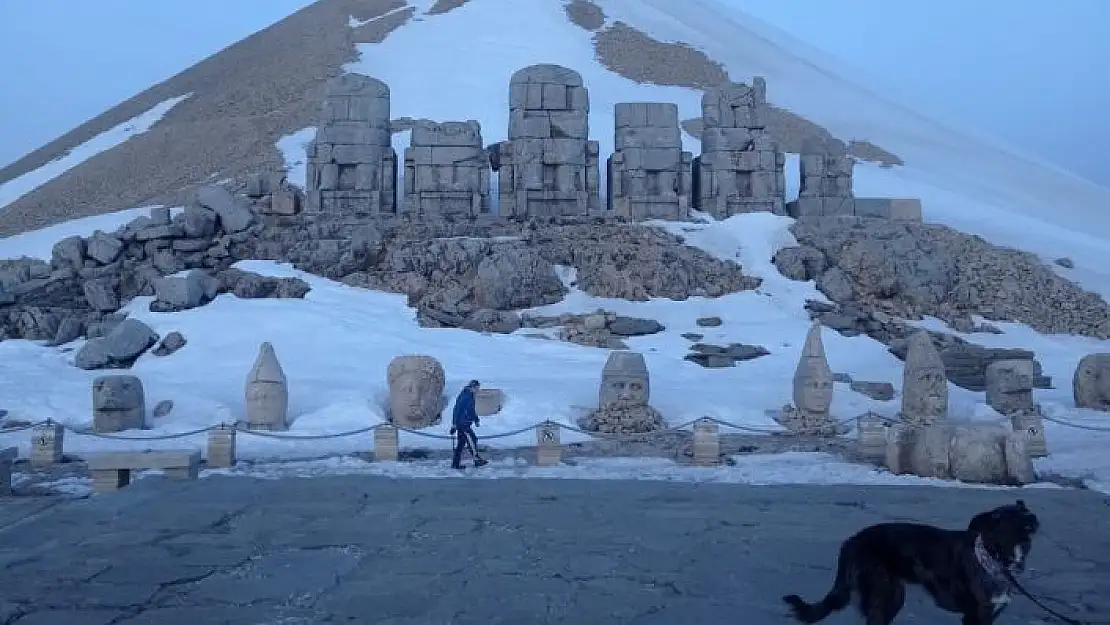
<point>624,380</point>
<point>1092,382</point>
<point>816,394</point>
<point>415,391</point>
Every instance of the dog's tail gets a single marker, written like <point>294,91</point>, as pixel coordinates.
<point>837,599</point>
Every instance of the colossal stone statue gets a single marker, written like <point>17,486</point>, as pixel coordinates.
<point>352,167</point>
<point>649,176</point>
<point>741,169</point>
<point>623,397</point>
<point>446,170</point>
<point>548,167</point>
<point>416,385</point>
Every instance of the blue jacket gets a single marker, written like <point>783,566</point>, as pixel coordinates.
<point>464,414</point>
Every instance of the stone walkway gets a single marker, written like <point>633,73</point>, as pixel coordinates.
<point>374,550</point>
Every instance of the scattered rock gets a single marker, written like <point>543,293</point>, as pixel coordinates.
<point>233,215</point>
<point>881,391</point>
<point>174,293</point>
<point>709,322</point>
<point>250,285</point>
<point>170,344</point>
<point>162,408</point>
<point>119,349</point>
<point>692,336</point>
<point>598,329</point>
<point>715,356</point>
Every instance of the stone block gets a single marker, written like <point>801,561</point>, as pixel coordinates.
<point>386,444</point>
<point>568,125</point>
<point>555,97</point>
<point>488,401</point>
<point>47,445</point>
<point>549,451</point>
<point>112,470</point>
<point>221,448</point>
<point>526,126</point>
<point>871,437</point>
<point>707,445</point>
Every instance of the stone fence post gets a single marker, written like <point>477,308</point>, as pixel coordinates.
<point>221,447</point>
<point>707,443</point>
<point>386,446</point>
<point>871,438</point>
<point>549,451</point>
<point>46,445</point>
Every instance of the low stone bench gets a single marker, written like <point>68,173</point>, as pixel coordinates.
<point>7,459</point>
<point>111,470</point>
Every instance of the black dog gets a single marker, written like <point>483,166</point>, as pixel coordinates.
<point>966,572</point>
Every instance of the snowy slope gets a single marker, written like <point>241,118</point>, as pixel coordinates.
<point>335,344</point>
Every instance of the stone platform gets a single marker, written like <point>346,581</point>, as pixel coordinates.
<point>375,550</point>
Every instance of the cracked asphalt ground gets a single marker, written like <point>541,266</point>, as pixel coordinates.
<point>356,549</point>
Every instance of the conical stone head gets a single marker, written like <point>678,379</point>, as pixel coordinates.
<point>924,382</point>
<point>266,367</point>
<point>625,380</point>
<point>813,379</point>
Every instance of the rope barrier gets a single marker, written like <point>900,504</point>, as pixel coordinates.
<point>432,435</point>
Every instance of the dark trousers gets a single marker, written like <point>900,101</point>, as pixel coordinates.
<point>464,436</point>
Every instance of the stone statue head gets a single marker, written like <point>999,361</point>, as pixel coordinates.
<point>924,381</point>
<point>813,379</point>
<point>624,380</point>
<point>415,390</point>
<point>1091,384</point>
<point>117,392</point>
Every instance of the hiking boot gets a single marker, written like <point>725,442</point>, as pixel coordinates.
<point>480,462</point>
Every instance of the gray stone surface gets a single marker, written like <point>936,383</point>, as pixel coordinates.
<point>352,166</point>
<point>740,169</point>
<point>649,176</point>
<point>365,549</point>
<point>548,166</point>
<point>446,170</point>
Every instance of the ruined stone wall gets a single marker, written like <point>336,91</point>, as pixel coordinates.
<point>548,167</point>
<point>446,170</point>
<point>351,164</point>
<point>649,176</point>
<point>740,169</point>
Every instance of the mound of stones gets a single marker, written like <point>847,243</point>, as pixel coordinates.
<point>476,273</point>
<point>598,329</point>
<point>79,292</point>
<point>910,269</point>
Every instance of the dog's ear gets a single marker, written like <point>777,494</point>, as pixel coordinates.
<point>1021,505</point>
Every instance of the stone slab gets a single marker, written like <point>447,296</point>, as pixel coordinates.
<point>132,460</point>
<point>347,549</point>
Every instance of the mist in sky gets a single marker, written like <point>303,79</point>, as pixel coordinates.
<point>1031,73</point>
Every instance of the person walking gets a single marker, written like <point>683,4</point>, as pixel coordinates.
<point>464,419</point>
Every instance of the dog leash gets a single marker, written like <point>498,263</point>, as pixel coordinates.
<point>1067,619</point>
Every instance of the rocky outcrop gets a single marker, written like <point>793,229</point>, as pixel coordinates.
<point>911,269</point>
<point>89,279</point>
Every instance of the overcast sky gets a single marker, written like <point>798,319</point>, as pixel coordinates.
<point>1030,72</point>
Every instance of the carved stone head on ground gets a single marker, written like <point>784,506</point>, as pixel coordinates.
<point>813,379</point>
<point>624,380</point>
<point>1091,384</point>
<point>924,382</point>
<point>415,390</point>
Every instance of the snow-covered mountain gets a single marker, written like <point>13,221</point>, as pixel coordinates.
<point>252,106</point>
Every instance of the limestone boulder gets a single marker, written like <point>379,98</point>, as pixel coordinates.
<point>510,279</point>
<point>968,452</point>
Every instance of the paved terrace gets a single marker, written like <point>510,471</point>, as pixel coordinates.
<point>375,550</point>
